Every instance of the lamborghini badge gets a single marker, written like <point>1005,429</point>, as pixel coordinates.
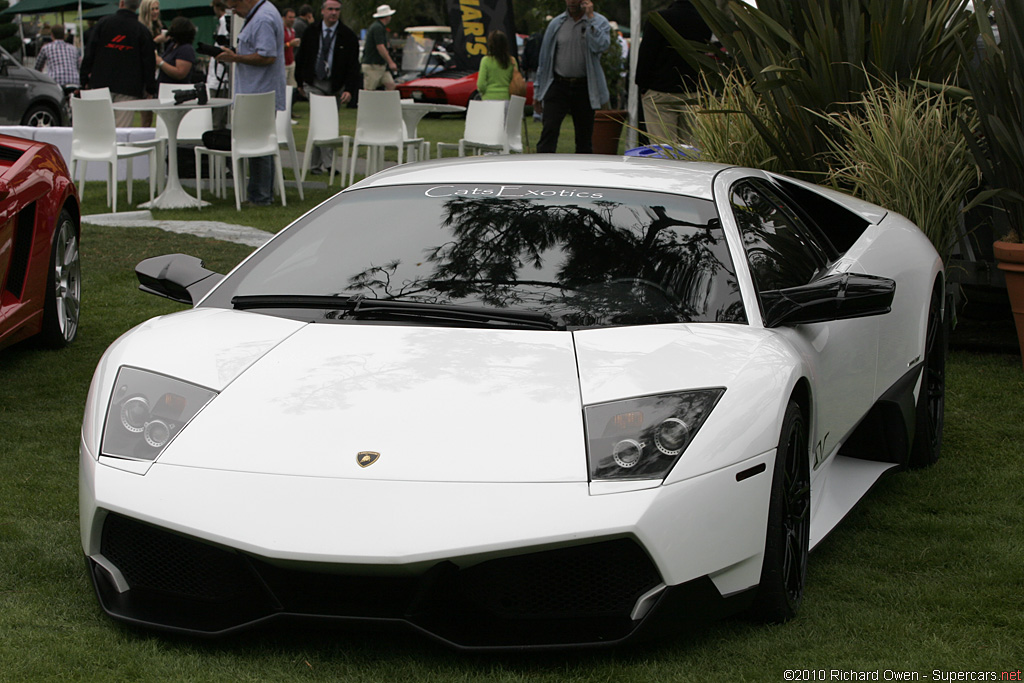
<point>367,458</point>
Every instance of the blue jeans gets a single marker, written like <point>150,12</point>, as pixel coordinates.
<point>261,180</point>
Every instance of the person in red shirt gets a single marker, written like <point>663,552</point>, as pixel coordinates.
<point>290,43</point>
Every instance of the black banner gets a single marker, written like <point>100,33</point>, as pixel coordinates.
<point>471,21</point>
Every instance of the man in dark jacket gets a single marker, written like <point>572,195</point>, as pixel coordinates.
<point>664,77</point>
<point>121,56</point>
<point>328,64</point>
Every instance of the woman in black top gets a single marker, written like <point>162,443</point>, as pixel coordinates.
<point>178,59</point>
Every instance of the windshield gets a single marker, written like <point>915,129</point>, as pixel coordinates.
<point>581,257</point>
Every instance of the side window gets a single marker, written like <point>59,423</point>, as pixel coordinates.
<point>779,248</point>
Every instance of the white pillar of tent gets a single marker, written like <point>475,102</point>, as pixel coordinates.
<point>634,50</point>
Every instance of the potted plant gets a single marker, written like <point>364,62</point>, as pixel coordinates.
<point>996,82</point>
<point>608,122</point>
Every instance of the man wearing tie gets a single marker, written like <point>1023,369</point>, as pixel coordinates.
<point>328,64</point>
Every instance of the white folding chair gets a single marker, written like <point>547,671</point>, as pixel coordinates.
<point>253,134</point>
<point>94,138</point>
<point>323,132</point>
<point>285,136</point>
<point>485,129</point>
<point>379,125</point>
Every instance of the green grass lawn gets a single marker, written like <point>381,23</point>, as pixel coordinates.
<point>924,575</point>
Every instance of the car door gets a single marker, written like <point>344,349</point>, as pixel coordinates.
<point>783,251</point>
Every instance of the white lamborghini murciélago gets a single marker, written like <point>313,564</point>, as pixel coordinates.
<point>513,402</point>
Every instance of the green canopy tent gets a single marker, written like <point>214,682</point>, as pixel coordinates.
<point>100,11</point>
<point>51,6</point>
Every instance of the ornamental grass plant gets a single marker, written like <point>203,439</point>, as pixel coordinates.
<point>723,125</point>
<point>903,148</point>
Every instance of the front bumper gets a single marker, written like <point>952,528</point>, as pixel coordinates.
<point>600,593</point>
<point>475,565</point>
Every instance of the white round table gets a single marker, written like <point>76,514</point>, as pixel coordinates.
<point>174,195</point>
<point>413,112</point>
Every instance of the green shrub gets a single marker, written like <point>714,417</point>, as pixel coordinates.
<point>903,148</point>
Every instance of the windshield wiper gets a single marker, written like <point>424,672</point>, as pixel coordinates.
<point>360,308</point>
<point>334,301</point>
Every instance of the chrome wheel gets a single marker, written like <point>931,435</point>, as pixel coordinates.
<point>64,296</point>
<point>41,117</point>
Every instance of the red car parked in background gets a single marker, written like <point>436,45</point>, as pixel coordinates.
<point>450,87</point>
<point>40,271</point>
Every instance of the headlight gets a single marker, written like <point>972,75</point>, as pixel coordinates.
<point>146,411</point>
<point>641,438</point>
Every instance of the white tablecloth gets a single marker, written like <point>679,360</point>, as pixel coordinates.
<point>61,137</point>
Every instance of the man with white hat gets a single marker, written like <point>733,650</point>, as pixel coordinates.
<point>377,64</point>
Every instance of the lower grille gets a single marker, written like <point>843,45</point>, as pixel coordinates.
<point>568,595</point>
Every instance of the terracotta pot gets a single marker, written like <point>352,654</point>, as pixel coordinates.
<point>607,128</point>
<point>1010,257</point>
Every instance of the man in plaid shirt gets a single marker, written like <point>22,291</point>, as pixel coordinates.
<point>60,57</point>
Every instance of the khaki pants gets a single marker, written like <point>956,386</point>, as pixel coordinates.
<point>124,119</point>
<point>376,75</point>
<point>667,117</point>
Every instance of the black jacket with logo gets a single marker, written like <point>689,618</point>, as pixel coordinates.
<point>121,56</point>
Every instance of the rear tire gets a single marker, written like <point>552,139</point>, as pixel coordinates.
<point>931,400</point>
<point>787,541</point>
<point>63,286</point>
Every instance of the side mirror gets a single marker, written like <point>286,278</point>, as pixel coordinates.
<point>178,277</point>
<point>836,297</point>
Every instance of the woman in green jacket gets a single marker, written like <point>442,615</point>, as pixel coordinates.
<point>495,69</point>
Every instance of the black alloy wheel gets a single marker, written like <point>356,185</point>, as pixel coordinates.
<point>931,401</point>
<point>787,542</point>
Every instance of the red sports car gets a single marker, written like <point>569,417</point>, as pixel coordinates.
<point>449,87</point>
<point>40,271</point>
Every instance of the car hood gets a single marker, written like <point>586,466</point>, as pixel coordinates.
<point>437,404</point>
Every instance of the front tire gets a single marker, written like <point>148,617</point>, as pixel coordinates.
<point>63,286</point>
<point>931,400</point>
<point>787,541</point>
<point>41,116</point>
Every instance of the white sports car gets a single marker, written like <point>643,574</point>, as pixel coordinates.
<point>513,402</point>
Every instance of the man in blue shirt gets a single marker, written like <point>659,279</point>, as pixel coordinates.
<point>260,69</point>
<point>570,80</point>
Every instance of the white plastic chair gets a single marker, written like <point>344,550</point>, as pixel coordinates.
<point>379,125</point>
<point>485,129</point>
<point>253,134</point>
<point>94,138</point>
<point>514,124</point>
<point>323,132</point>
<point>285,136</point>
<point>95,94</point>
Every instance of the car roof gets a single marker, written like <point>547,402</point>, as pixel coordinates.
<point>692,179</point>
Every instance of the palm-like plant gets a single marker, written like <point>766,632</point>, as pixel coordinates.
<point>996,82</point>
<point>812,57</point>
